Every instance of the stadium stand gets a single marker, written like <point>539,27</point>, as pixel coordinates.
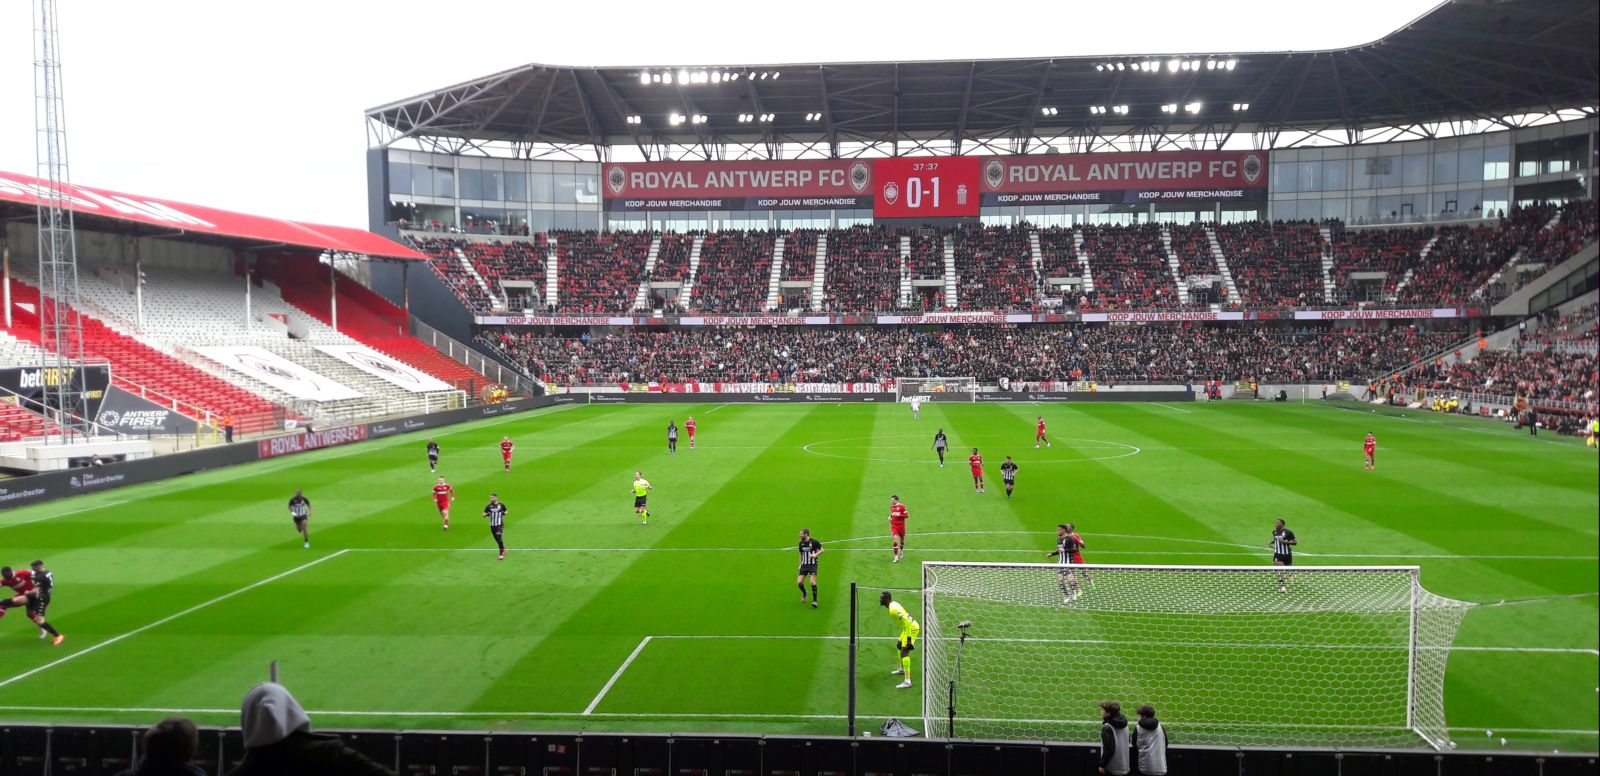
<point>445,260</point>
<point>734,270</point>
<point>1275,264</point>
<point>600,272</point>
<point>1117,354</point>
<point>1553,369</point>
<point>995,268</point>
<point>368,318</point>
<point>1130,272</point>
<point>144,370</point>
<point>863,272</point>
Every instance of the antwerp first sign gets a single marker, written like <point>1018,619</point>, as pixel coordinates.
<point>938,185</point>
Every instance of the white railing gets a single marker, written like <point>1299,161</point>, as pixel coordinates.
<point>467,356</point>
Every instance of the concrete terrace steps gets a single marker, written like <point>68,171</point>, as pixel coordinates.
<point>775,276</point>
<point>819,272</point>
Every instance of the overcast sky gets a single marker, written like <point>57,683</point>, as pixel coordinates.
<point>258,107</point>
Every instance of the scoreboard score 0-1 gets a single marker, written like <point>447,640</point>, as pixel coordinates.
<point>926,186</point>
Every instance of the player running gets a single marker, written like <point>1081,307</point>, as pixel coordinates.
<point>810,550</point>
<point>941,443</point>
<point>1283,543</point>
<point>300,512</point>
<point>506,446</point>
<point>44,583</point>
<point>1038,434</point>
<point>909,631</point>
<point>1369,446</point>
<point>672,437</point>
<point>897,527</point>
<point>26,594</point>
<point>641,497</point>
<point>975,461</point>
<point>1008,476</point>
<point>688,427</point>
<point>495,512</point>
<point>433,456</point>
<point>916,408</point>
<point>1068,551</point>
<point>443,495</point>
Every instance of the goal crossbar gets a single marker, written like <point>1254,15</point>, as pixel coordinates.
<point>1247,655</point>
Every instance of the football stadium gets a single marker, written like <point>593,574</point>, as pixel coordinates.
<point>1195,413</point>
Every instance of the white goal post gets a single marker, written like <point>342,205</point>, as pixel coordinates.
<point>936,388</point>
<point>1236,656</point>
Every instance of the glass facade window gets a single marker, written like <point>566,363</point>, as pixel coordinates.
<point>1444,167</point>
<point>1285,178</point>
<point>399,179</point>
<point>1335,174</point>
<point>1496,163</point>
<point>1414,170</point>
<point>516,187</point>
<point>444,183</point>
<point>543,187</point>
<point>1469,165</point>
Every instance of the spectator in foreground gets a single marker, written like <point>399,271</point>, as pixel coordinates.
<point>1150,742</point>
<point>169,747</point>
<point>278,740</point>
<point>1113,739</point>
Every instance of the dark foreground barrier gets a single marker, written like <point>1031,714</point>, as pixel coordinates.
<point>96,751</point>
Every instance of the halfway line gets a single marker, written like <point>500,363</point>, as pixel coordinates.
<point>614,677</point>
<point>165,620</point>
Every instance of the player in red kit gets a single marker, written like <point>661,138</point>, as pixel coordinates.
<point>443,494</point>
<point>976,462</point>
<point>505,451</point>
<point>1370,447</point>
<point>1038,434</point>
<point>897,526</point>
<point>688,427</point>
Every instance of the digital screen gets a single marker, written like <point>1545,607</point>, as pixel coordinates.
<point>926,186</point>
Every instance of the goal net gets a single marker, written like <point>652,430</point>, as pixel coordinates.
<point>1345,657</point>
<point>936,388</point>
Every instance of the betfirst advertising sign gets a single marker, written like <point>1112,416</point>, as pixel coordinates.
<point>822,184</point>
<point>939,186</point>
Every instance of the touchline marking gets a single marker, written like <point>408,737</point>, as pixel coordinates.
<point>589,710</point>
<point>170,618</point>
<point>718,407</point>
<point>62,514</point>
<point>1177,409</point>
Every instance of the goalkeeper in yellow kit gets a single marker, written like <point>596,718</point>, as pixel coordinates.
<point>909,631</point>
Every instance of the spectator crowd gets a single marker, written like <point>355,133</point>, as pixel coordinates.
<point>1113,354</point>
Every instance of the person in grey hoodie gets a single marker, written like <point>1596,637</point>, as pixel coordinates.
<point>1150,743</point>
<point>1113,739</point>
<point>278,740</point>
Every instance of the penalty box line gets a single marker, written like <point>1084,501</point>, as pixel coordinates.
<point>163,621</point>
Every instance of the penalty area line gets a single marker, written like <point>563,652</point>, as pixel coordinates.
<point>589,710</point>
<point>163,621</point>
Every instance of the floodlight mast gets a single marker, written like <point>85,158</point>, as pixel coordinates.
<point>65,392</point>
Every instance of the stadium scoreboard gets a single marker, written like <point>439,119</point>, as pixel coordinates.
<point>937,186</point>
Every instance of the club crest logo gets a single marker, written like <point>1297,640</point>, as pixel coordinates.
<point>1252,168</point>
<point>859,177</point>
<point>891,192</point>
<point>994,173</point>
<point>109,418</point>
<point>616,178</point>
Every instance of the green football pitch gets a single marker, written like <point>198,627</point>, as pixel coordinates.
<point>175,596</point>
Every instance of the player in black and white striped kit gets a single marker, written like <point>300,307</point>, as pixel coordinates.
<point>44,583</point>
<point>433,456</point>
<point>1283,543</point>
<point>300,511</point>
<point>495,511</point>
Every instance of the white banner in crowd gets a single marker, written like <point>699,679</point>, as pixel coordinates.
<point>278,372</point>
<point>385,368</point>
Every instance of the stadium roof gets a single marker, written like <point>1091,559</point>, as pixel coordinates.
<point>1465,60</point>
<point>162,217</point>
